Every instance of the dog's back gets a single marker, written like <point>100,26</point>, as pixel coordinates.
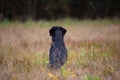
<point>58,52</point>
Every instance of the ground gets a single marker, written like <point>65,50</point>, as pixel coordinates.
<point>93,50</point>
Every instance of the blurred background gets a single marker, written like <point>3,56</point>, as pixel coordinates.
<point>92,39</point>
<point>57,9</point>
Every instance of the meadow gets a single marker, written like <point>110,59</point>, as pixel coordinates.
<point>93,50</point>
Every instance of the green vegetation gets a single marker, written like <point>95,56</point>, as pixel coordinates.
<point>88,77</point>
<point>65,22</point>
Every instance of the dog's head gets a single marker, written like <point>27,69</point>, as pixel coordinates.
<point>57,28</point>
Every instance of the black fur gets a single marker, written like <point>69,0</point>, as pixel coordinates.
<point>58,51</point>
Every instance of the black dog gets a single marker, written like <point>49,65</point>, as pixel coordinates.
<point>58,51</point>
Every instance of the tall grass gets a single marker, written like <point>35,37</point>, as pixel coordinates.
<point>93,50</point>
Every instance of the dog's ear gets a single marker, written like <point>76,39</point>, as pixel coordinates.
<point>63,30</point>
<point>51,31</point>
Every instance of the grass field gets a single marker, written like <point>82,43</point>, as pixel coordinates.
<point>93,50</point>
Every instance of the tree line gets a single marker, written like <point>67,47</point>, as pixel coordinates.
<point>56,9</point>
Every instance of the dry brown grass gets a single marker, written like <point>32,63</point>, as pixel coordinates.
<point>93,53</point>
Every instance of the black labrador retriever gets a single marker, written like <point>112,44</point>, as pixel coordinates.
<point>58,51</point>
